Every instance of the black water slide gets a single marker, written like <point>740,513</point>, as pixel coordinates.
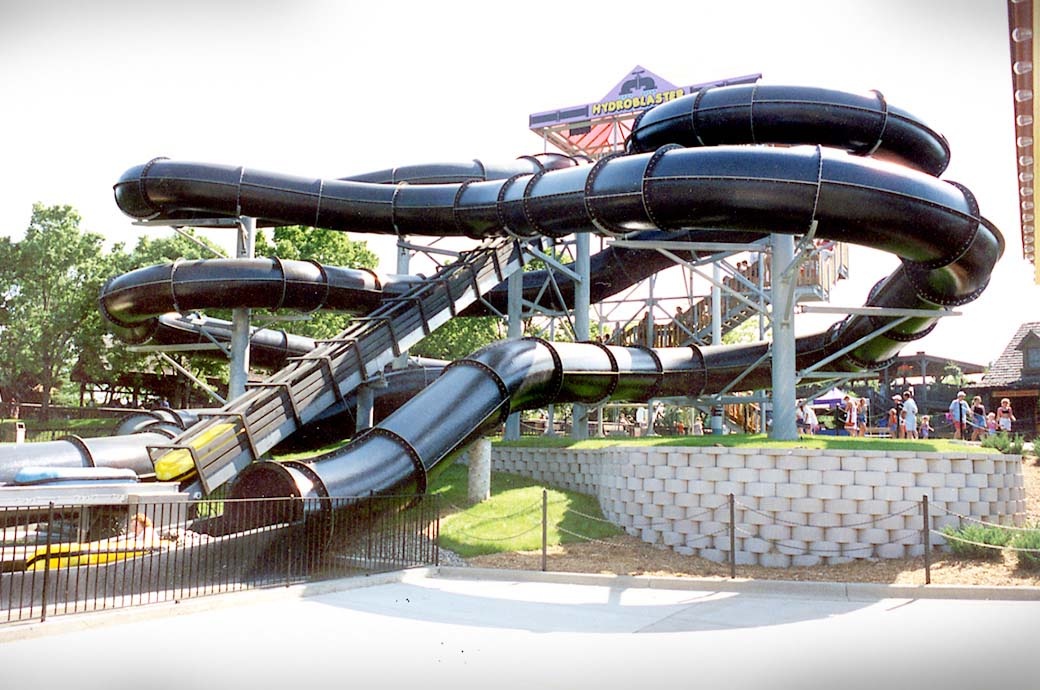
<point>689,168</point>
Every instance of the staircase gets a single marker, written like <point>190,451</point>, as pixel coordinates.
<point>216,449</point>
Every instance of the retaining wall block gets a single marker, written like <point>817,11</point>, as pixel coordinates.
<point>687,500</point>
<point>792,462</point>
<point>888,493</point>
<point>917,493</point>
<point>713,555</point>
<point>807,505</point>
<point>774,532</point>
<point>759,461</point>
<point>715,474</point>
<point>793,490</point>
<point>826,492</point>
<point>882,464</point>
<point>824,519</point>
<point>809,534</point>
<point>774,503</point>
<point>806,477</point>
<point>825,462</point>
<point>775,560</point>
<point>774,476</point>
<point>744,557</point>
<point>652,510</point>
<point>673,512</point>
<point>730,461</point>
<point>676,485</point>
<point>891,551</point>
<point>743,474</point>
<point>856,492</point>
<point>807,560</point>
<point>664,472</point>
<point>853,463</point>
<point>912,465</point>
<point>688,473</point>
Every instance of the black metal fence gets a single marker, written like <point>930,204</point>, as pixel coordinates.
<point>62,559</point>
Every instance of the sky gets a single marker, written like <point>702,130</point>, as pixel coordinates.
<point>326,89</point>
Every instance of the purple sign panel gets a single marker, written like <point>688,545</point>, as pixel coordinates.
<point>639,90</point>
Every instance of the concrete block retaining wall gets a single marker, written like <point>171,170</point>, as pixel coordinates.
<point>792,506</point>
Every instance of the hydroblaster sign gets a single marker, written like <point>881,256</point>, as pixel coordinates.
<point>639,90</point>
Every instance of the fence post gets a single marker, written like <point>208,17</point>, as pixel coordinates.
<point>927,538</point>
<point>545,529</point>
<point>732,537</point>
<point>289,546</point>
<point>47,561</point>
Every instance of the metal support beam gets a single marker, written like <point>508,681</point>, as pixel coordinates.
<point>784,426</point>
<point>582,300</point>
<point>514,296</point>
<point>365,408</point>
<point>244,249</point>
<point>192,377</point>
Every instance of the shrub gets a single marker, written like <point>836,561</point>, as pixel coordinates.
<point>1004,442</point>
<point>1028,540</point>
<point>977,540</point>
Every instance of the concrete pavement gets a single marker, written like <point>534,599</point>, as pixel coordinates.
<point>472,628</point>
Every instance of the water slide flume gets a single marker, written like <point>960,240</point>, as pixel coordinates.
<point>689,169</point>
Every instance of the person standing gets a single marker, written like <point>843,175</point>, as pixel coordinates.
<point>1005,415</point>
<point>900,430</point>
<point>959,413</point>
<point>910,414</point>
<point>812,423</point>
<point>861,416</point>
<point>851,427</point>
<point>926,426</point>
<point>978,419</point>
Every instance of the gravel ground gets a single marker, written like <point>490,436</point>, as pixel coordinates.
<point>627,555</point>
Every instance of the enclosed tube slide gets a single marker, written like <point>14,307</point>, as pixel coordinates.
<point>688,168</point>
<point>948,251</point>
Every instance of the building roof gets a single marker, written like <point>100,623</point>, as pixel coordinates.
<point>1008,370</point>
<point>910,365</point>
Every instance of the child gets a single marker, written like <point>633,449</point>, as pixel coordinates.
<point>991,423</point>
<point>893,423</point>
<point>926,425</point>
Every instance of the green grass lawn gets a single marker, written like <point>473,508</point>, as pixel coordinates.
<point>937,445</point>
<point>511,520</point>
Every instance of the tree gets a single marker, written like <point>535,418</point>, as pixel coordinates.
<point>50,283</point>
<point>460,337</point>
<point>100,357</point>
<point>326,247</point>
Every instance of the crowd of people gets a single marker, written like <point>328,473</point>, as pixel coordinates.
<point>904,420</point>
<point>975,419</point>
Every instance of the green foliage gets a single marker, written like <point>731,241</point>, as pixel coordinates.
<point>746,332</point>
<point>977,540</point>
<point>1028,560</point>
<point>297,242</point>
<point>460,337</point>
<point>511,520</point>
<point>49,286</point>
<point>97,359</point>
<point>954,376</point>
<point>1004,442</point>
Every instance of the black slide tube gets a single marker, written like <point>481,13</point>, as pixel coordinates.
<point>947,249</point>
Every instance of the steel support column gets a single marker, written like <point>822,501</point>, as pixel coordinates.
<point>582,300</point>
<point>239,374</point>
<point>785,425</point>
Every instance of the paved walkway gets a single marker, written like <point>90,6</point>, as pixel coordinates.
<point>467,628</point>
